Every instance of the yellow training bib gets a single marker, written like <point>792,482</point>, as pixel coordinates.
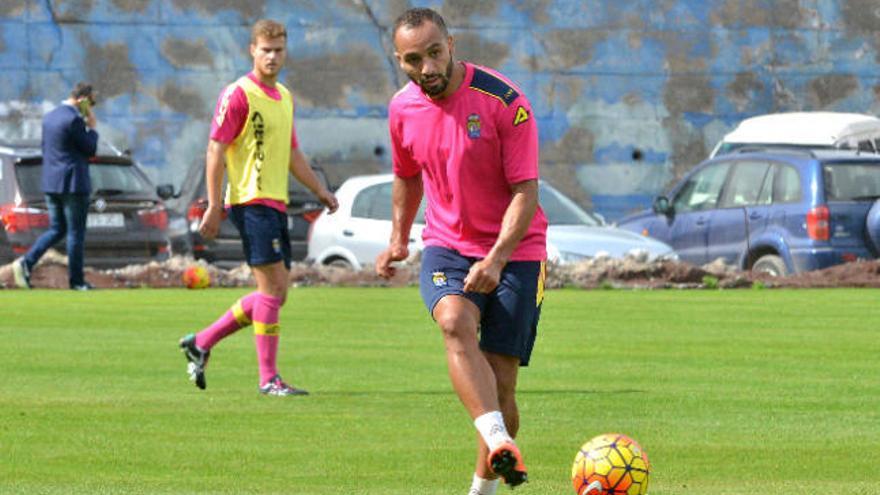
<point>257,160</point>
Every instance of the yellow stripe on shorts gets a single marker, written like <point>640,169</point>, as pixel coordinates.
<point>239,314</point>
<point>542,274</point>
<point>266,328</point>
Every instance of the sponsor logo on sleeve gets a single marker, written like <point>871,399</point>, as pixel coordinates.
<point>522,115</point>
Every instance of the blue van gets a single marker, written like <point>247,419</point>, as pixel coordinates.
<point>779,211</point>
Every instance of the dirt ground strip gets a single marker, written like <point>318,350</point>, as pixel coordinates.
<point>602,273</point>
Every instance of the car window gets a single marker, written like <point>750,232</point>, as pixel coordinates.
<point>117,179</point>
<point>560,210</point>
<point>744,186</point>
<point>369,203</point>
<point>374,203</point>
<point>866,145</point>
<point>786,184</point>
<point>29,181</point>
<point>765,197</point>
<point>701,190</point>
<point>851,181</point>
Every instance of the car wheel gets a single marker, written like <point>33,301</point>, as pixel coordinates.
<point>872,228</point>
<point>770,264</point>
<point>339,263</point>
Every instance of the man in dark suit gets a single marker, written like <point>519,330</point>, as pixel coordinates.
<point>69,140</point>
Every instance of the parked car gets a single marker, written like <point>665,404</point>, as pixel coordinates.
<point>127,220</point>
<point>360,229</point>
<point>776,211</point>
<point>226,250</point>
<point>813,130</point>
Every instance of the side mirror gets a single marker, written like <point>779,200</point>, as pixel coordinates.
<point>165,191</point>
<point>661,205</point>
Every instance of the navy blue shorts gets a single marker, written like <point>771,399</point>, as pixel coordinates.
<point>264,235</point>
<point>508,315</point>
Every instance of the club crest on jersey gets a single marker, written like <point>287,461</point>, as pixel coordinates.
<point>439,279</point>
<point>473,126</point>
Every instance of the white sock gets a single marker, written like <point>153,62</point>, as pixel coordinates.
<point>482,486</point>
<point>492,429</point>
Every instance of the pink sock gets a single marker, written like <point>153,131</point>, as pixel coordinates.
<point>238,316</point>
<point>266,329</point>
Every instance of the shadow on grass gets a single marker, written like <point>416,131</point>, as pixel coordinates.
<point>447,392</point>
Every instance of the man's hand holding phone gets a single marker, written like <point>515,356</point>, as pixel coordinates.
<point>85,108</point>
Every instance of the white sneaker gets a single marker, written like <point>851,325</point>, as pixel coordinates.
<point>21,274</point>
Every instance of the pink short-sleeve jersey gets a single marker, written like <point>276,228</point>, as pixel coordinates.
<point>470,147</point>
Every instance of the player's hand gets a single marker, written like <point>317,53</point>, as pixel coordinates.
<point>394,252</point>
<point>328,199</point>
<point>484,276</point>
<point>210,225</point>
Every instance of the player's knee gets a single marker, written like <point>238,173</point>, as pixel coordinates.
<point>455,325</point>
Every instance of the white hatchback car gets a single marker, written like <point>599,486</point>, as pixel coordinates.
<point>360,229</point>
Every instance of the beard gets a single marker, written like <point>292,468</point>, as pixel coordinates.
<point>440,81</point>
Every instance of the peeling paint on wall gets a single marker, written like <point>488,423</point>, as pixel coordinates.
<point>329,80</point>
<point>473,48</point>
<point>459,12</point>
<point>184,100</point>
<point>250,10</point>
<point>187,53</point>
<point>109,68</point>
<point>133,6</point>
<point>12,8</point>
<point>827,89</point>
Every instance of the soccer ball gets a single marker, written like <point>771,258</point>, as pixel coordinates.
<point>196,277</point>
<point>610,464</point>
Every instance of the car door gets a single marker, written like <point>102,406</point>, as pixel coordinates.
<point>738,208</point>
<point>368,229</point>
<point>692,207</point>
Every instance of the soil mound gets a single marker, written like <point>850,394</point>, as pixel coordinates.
<point>632,273</point>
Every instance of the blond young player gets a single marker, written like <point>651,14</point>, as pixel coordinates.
<point>253,140</point>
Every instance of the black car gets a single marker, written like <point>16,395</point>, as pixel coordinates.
<point>226,250</point>
<point>127,221</point>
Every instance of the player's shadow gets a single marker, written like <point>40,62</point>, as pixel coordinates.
<point>351,393</point>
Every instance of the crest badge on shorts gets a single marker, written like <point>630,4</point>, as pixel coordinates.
<point>473,126</point>
<point>439,279</point>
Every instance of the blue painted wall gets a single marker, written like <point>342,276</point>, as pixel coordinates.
<point>629,93</point>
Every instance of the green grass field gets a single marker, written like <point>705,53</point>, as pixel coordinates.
<point>730,392</point>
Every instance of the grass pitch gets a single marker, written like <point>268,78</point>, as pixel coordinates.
<point>729,392</point>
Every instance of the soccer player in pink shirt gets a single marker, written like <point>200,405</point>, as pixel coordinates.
<point>465,137</point>
<point>253,140</point>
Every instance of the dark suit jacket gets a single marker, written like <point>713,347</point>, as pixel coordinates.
<point>67,147</point>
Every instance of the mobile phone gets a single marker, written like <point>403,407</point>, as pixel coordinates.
<point>84,106</point>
